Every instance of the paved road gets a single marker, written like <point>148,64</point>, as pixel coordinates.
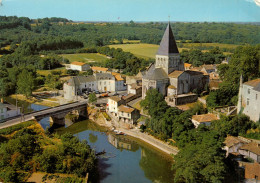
<point>30,116</point>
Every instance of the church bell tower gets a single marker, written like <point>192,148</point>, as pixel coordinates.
<point>167,56</point>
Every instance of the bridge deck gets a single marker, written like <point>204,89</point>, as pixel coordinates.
<point>43,112</point>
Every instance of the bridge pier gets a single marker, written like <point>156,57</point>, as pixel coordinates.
<point>58,120</point>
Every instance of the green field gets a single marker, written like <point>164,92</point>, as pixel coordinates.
<point>139,50</point>
<point>85,57</point>
<point>47,72</point>
<point>149,50</point>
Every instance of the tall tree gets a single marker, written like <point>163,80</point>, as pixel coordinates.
<point>25,83</point>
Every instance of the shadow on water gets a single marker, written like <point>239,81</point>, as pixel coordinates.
<point>103,166</point>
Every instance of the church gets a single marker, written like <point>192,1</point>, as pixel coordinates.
<point>169,77</point>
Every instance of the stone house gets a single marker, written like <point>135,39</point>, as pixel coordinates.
<point>205,119</point>
<point>249,99</point>
<point>79,66</point>
<point>251,150</point>
<point>128,114</point>
<point>113,103</point>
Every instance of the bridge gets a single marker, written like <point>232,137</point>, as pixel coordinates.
<point>56,114</point>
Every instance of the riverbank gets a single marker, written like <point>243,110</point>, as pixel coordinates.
<point>99,119</point>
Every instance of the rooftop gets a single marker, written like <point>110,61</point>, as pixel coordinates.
<point>253,83</point>
<point>115,98</point>
<point>187,65</point>
<point>231,141</point>
<point>205,118</point>
<point>252,147</point>
<point>168,44</point>
<point>194,72</point>
<point>77,80</point>
<point>175,74</point>
<point>78,63</point>
<point>156,74</point>
<point>126,109</point>
<point>99,69</point>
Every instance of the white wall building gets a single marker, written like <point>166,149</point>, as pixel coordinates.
<point>113,103</point>
<point>249,99</point>
<point>203,119</point>
<point>102,82</point>
<point>79,66</point>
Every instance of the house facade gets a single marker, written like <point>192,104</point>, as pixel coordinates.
<point>249,99</point>
<point>102,82</point>
<point>128,114</point>
<point>113,103</point>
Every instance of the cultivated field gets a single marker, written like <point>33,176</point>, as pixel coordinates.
<point>149,50</point>
<point>85,57</point>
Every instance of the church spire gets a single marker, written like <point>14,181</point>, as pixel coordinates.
<point>168,44</point>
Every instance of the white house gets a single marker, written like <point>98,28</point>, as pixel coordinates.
<point>79,66</point>
<point>128,114</point>
<point>232,144</point>
<point>203,119</point>
<point>249,99</point>
<point>113,103</point>
<point>8,111</point>
<point>103,82</point>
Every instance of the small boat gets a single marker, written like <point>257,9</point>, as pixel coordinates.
<point>100,153</point>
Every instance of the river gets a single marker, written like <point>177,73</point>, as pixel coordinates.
<point>126,159</point>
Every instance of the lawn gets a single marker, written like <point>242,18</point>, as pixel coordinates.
<point>85,57</point>
<point>220,45</point>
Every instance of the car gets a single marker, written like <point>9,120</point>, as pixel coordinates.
<point>104,95</point>
<point>97,92</point>
<point>115,94</point>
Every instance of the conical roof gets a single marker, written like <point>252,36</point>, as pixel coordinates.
<point>168,44</point>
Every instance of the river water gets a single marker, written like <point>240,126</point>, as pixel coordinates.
<point>126,159</point>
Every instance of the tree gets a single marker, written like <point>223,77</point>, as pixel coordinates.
<point>25,83</point>
<point>92,98</point>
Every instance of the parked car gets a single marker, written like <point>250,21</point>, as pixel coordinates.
<point>97,92</point>
<point>115,94</point>
<point>104,95</point>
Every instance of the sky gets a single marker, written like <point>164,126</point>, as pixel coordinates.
<point>136,10</point>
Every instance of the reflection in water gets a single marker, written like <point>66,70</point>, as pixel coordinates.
<point>92,138</point>
<point>122,142</point>
<point>154,168</point>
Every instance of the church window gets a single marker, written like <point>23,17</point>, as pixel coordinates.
<point>247,101</point>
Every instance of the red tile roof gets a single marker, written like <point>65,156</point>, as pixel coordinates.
<point>205,118</point>
<point>78,63</point>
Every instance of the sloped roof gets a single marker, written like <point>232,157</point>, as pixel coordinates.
<point>77,80</point>
<point>78,63</point>
<point>253,83</point>
<point>204,118</point>
<point>257,88</point>
<point>187,65</point>
<point>252,147</point>
<point>104,76</point>
<point>175,74</point>
<point>193,73</point>
<point>126,109</point>
<point>99,68</point>
<point>156,74</point>
<point>168,44</point>
<point>231,141</point>
<point>115,98</point>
